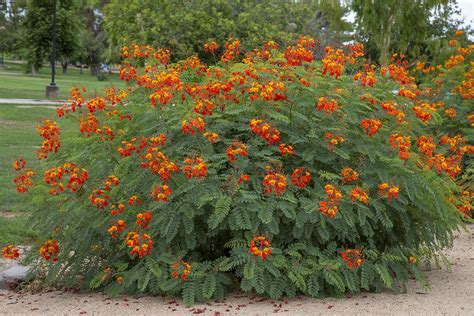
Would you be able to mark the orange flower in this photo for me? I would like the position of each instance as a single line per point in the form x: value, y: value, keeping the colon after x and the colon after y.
x: 211, y: 47
x: 134, y: 200
x: 55, y: 175
x: 274, y: 182
x: 391, y: 192
x: 161, y: 193
x: 329, y: 207
x: 450, y: 113
x: 19, y: 164
x: 349, y: 175
x: 286, y: 149
x: 143, y: 219
x: 212, y: 137
x: 333, y: 62
x: 426, y: 145
x: 183, y: 269
x: 237, y: 148
x: 353, y: 258
x: 333, y: 140
x: 264, y: 130
x: 195, y: 167
x: 300, y: 178
x: 50, y: 250
x: 204, y: 107
x: 243, y: 177
x: 402, y: 143
x: 232, y: 50
x: 117, y: 228
x: 141, y: 244
x: 193, y: 126
x: 370, y: 126
x: 422, y: 114
x: 327, y: 106
x: 50, y: 132
x: 10, y: 252
x: 260, y: 247
x: 358, y: 194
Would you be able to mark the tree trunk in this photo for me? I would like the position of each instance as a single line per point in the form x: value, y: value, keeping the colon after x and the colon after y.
x: 64, y: 65
x: 81, y: 70
x: 33, y: 70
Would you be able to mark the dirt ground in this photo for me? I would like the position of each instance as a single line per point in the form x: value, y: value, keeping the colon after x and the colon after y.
x: 451, y: 293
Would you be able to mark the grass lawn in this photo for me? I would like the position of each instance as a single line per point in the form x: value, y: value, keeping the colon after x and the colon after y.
x: 18, y: 138
x: 14, y: 83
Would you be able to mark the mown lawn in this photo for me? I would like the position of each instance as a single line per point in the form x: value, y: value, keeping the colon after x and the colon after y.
x: 14, y: 83
x: 18, y: 138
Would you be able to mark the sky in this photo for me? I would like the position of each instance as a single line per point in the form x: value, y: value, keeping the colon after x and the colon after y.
x: 467, y: 11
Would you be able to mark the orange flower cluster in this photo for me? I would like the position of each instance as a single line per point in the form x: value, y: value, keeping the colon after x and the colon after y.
x: 352, y: 257
x: 134, y: 200
x: 326, y: 105
x: 453, y: 61
x: 211, y: 47
x: 329, y: 207
x: 236, y: 148
x: 300, y: 178
x: 264, y: 130
x: 49, y: 130
x: 370, y: 126
x: 426, y: 146
x: 260, y: 247
x: 23, y: 179
x: 274, y: 182
x: 232, y: 50
x: 333, y: 140
x: 402, y: 143
x: 450, y: 113
x: 195, y: 167
x: 117, y: 228
x: 99, y: 198
x: 161, y: 193
x: 358, y: 194
x: 407, y: 93
x: 243, y: 177
x: 465, y: 207
x: 349, y: 175
x: 450, y: 165
x: 286, y: 149
x: 334, y: 62
x: 193, y: 126
x: 181, y: 270
x: 10, y: 252
x: 140, y: 243
x: 50, y: 250
x: 271, y: 91
x: 158, y: 163
x: 76, y: 100
x: 422, y: 114
x: 204, y: 107
x: 295, y: 55
x: 143, y: 219
x: 117, y: 209
x: 392, y: 110
x: 390, y: 191
x: 212, y: 137
x: 90, y: 125
x: 366, y: 78
x: 77, y: 177
x: 452, y: 142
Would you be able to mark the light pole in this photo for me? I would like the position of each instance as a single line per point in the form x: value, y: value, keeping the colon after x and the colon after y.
x: 52, y: 90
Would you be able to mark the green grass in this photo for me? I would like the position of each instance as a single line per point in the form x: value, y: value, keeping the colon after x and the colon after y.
x: 18, y: 138
x: 16, y: 84
x: 15, y: 231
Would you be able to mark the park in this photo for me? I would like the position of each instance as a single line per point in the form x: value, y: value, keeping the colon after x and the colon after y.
x: 236, y: 157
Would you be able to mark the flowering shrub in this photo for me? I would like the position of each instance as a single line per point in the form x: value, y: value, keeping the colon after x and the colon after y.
x: 279, y: 174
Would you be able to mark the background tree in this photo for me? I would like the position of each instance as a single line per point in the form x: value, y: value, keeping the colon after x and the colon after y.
x: 11, y: 14
x: 183, y: 26
x: 406, y: 21
x: 37, y: 32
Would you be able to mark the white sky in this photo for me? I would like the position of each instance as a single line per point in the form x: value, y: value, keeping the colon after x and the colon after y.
x: 467, y: 11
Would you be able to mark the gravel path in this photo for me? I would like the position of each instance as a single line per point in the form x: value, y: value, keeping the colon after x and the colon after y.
x: 452, y: 293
